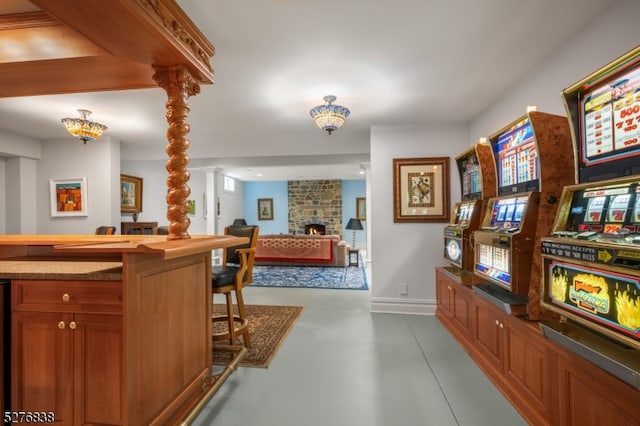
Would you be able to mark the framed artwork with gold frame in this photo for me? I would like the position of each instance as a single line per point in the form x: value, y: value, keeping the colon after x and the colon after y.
x: 130, y: 194
x: 421, y: 189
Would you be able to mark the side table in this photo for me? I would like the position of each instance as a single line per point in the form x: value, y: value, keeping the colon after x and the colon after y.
x: 353, y: 257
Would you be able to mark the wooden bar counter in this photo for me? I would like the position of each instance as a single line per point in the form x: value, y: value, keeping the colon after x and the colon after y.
x: 110, y: 329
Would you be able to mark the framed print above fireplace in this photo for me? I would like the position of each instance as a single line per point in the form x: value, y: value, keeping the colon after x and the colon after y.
x: 265, y: 208
x: 421, y: 189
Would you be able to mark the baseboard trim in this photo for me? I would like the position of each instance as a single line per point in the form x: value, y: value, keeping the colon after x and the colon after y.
x: 402, y: 306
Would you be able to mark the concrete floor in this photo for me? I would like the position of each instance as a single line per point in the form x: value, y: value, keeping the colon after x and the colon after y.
x: 344, y: 366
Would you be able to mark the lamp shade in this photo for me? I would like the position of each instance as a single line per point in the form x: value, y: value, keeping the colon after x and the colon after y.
x: 83, y: 128
x: 239, y: 222
x: 329, y: 117
x: 354, y: 225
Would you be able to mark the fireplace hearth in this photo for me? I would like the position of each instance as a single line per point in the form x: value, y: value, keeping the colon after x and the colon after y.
x: 315, y: 229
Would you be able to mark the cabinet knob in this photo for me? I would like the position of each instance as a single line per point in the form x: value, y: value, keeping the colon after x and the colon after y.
x: 65, y: 297
x: 501, y: 325
x: 72, y: 325
x: 61, y: 325
x: 497, y: 322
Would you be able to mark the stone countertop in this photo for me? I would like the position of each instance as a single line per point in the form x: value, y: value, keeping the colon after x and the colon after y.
x: 60, y: 270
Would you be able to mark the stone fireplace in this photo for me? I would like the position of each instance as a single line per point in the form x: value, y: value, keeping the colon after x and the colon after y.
x: 315, y: 202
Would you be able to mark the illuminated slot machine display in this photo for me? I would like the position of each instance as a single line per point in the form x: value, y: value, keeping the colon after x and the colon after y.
x: 506, y: 251
x: 478, y: 182
x: 591, y: 259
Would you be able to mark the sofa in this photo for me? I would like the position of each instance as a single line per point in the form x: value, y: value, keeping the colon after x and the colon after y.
x: 301, y: 250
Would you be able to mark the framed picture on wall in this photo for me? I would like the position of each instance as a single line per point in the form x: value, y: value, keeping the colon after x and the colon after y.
x: 421, y: 189
x: 265, y: 208
x: 130, y: 194
x: 361, y: 208
x: 68, y: 197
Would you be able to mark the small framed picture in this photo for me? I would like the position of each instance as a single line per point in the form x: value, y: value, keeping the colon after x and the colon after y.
x: 361, y: 208
x: 68, y: 197
x: 265, y: 208
x: 192, y: 207
x: 421, y: 189
x: 130, y: 194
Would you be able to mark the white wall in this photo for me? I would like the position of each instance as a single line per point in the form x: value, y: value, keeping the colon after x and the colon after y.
x: 605, y: 39
x: 407, y: 253
x: 18, y: 201
x: 3, y: 196
x: 99, y: 163
x: 154, y: 190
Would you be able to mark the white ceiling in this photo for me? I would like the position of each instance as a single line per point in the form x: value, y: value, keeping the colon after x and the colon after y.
x: 389, y: 62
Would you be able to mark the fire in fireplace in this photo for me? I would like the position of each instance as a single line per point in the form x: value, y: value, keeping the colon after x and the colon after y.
x: 315, y: 229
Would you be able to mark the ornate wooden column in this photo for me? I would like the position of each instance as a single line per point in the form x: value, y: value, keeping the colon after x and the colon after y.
x: 180, y: 85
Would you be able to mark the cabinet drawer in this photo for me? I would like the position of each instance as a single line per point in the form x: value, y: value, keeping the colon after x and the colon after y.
x: 66, y: 296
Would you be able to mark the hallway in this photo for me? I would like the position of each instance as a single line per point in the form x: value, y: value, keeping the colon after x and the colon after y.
x: 344, y: 366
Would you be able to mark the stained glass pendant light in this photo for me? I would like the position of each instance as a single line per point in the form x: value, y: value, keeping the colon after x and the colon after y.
x: 329, y: 117
x: 83, y: 128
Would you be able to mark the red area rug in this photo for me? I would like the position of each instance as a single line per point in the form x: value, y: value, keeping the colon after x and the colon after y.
x: 269, y: 326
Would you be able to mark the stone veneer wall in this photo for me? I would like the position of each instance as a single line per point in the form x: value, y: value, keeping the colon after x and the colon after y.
x: 315, y: 201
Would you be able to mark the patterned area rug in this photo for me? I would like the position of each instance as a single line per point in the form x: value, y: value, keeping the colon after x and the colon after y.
x: 348, y: 278
x: 268, y: 329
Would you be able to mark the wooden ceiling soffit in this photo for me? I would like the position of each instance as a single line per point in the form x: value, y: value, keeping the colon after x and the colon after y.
x: 153, y: 32
x: 83, y: 46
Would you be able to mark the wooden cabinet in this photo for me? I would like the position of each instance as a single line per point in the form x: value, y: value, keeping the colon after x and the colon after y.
x: 67, y: 351
x: 139, y: 228
x: 547, y: 384
x: 514, y: 354
x: 588, y: 395
x: 453, y: 296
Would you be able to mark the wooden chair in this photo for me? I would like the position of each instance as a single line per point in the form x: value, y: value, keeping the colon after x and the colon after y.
x: 235, y: 272
x: 105, y: 230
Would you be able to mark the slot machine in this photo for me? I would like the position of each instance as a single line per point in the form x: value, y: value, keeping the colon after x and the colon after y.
x: 477, y: 179
x: 591, y: 258
x: 529, y: 182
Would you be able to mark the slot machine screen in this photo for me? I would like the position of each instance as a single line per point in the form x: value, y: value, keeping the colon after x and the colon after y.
x: 464, y: 213
x: 606, y: 113
x: 471, y: 178
x: 508, y: 212
x: 605, y: 209
x: 516, y: 154
x: 494, y: 263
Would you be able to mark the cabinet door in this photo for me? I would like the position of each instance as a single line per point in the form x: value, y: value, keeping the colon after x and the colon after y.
x: 99, y: 369
x: 527, y: 369
x: 443, y: 292
x: 461, y: 306
x: 488, y: 333
x: 589, y: 396
x: 42, y: 364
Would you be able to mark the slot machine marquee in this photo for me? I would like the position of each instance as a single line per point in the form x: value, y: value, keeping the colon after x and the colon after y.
x: 529, y: 182
x: 477, y: 178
